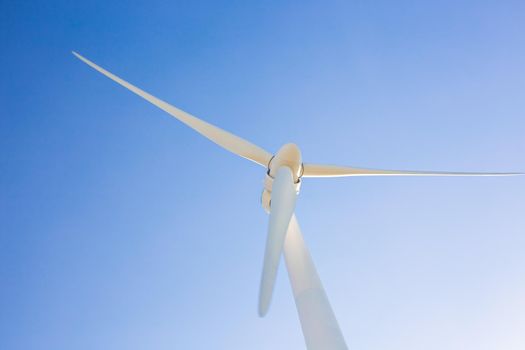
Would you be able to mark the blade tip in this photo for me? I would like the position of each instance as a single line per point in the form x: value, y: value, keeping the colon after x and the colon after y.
x: 76, y: 54
x: 79, y: 56
x: 264, y: 306
x: 262, y: 312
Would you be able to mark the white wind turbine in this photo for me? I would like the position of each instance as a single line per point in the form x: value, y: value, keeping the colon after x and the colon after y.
x: 284, y: 172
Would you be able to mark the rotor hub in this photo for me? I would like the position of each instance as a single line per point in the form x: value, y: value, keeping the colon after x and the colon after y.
x: 289, y: 156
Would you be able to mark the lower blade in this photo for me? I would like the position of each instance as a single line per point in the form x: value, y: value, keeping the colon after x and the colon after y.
x: 282, y: 208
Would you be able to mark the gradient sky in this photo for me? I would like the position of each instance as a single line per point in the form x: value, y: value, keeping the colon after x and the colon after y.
x: 120, y: 228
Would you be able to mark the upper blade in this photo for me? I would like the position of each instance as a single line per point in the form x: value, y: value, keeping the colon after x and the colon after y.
x: 319, y: 170
x: 282, y: 207
x: 223, y: 138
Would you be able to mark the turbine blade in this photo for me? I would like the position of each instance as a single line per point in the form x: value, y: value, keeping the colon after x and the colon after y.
x: 320, y: 328
x: 282, y: 207
x: 318, y: 170
x: 223, y: 138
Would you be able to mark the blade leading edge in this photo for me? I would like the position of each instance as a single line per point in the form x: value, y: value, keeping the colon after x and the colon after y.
x: 282, y: 208
x: 320, y: 328
x: 223, y: 138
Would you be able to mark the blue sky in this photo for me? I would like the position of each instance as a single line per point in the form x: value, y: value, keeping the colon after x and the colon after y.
x: 122, y: 229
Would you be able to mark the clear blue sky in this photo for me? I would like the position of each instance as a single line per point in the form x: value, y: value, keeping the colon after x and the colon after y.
x: 122, y: 229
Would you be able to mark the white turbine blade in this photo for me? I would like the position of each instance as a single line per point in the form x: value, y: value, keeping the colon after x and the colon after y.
x: 320, y: 328
x: 282, y: 207
x: 318, y: 170
x: 221, y: 137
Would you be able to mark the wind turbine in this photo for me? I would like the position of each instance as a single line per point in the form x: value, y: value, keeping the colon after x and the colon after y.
x: 284, y: 173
